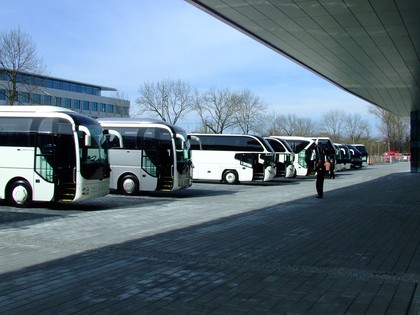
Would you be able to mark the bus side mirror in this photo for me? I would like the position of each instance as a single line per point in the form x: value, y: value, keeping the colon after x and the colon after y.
x: 85, y: 133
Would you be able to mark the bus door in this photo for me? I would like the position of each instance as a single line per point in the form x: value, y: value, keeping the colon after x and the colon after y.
x: 55, y: 164
x: 152, y: 157
x: 65, y: 164
x: 167, y: 158
x: 312, y: 155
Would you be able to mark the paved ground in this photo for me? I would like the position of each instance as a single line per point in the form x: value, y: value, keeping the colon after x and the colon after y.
x: 221, y: 249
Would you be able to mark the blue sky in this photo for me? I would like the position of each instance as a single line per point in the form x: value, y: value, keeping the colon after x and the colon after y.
x: 126, y: 43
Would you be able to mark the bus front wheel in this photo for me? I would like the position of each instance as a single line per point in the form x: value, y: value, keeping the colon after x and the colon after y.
x: 129, y: 185
x: 20, y: 194
x: 230, y: 177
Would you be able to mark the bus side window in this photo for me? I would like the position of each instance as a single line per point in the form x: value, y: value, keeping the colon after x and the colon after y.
x: 113, y: 141
x: 194, y: 144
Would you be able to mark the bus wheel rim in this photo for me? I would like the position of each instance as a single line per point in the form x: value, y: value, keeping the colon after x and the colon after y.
x: 20, y: 194
x: 129, y: 185
x: 230, y: 177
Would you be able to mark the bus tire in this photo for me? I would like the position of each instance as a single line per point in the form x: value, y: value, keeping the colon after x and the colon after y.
x: 129, y: 185
x: 19, y: 194
x: 230, y: 177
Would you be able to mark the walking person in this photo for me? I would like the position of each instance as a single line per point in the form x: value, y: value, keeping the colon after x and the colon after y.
x: 320, y: 176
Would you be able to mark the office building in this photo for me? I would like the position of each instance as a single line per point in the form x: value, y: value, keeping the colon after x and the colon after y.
x: 84, y: 98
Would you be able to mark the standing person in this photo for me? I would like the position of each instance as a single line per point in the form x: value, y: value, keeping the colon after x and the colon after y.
x: 332, y: 175
x: 320, y: 175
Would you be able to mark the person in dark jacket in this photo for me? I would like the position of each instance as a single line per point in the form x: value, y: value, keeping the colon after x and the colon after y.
x: 320, y: 176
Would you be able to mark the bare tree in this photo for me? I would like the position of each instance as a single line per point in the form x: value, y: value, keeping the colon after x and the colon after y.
x: 356, y: 127
x: 18, y: 56
x: 216, y: 109
x: 249, y: 110
x: 333, y: 124
x: 267, y: 125
x: 292, y: 125
x: 395, y: 130
x: 170, y: 100
x: 305, y: 127
x: 119, y: 101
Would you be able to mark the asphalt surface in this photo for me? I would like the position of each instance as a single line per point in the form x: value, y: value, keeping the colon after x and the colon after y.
x: 264, y: 248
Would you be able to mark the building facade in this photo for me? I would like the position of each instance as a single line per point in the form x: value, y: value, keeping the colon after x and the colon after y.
x: 81, y: 97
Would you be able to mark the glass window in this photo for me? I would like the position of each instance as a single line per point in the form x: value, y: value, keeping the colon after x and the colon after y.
x: 24, y: 97
x: 36, y: 98
x: 276, y: 145
x: 102, y: 107
x: 110, y: 108
x: 46, y: 99
x: 58, y: 101
x: 85, y: 105
x: 57, y: 84
x: 76, y: 104
x: 94, y: 106
x: 67, y: 102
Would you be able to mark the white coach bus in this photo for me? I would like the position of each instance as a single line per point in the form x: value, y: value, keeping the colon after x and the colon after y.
x: 50, y: 154
x: 306, y: 154
x: 147, y: 155
x: 232, y: 158
x: 285, y: 157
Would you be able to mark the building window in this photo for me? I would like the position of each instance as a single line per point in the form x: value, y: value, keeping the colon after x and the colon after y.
x: 94, y: 106
x: 76, y: 104
x: 85, y: 105
x: 35, y: 98
x: 110, y: 108
x: 67, y: 102
x: 58, y: 101
x: 46, y: 99
x: 102, y: 108
x: 24, y: 97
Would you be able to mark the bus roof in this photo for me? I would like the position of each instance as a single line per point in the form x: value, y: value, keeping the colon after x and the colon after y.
x: 125, y: 121
x: 33, y: 109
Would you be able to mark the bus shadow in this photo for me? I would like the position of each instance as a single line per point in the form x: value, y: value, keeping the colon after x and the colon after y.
x: 189, y: 193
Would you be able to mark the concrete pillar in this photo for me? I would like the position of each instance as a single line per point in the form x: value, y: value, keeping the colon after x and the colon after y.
x: 415, y: 141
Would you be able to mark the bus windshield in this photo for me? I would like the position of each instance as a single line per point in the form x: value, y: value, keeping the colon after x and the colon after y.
x: 94, y: 156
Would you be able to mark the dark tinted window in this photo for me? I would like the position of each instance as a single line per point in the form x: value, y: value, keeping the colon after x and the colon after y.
x: 228, y: 143
x: 276, y: 145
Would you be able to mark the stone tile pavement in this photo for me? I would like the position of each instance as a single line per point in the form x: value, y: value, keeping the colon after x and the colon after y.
x: 221, y: 249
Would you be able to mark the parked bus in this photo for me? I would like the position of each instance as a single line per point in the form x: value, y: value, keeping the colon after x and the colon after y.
x: 284, y: 157
x: 365, y: 154
x: 344, y: 158
x: 232, y: 158
x: 339, y: 158
x: 147, y: 155
x: 51, y: 154
x: 306, y: 154
x: 326, y: 148
x: 356, y: 157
